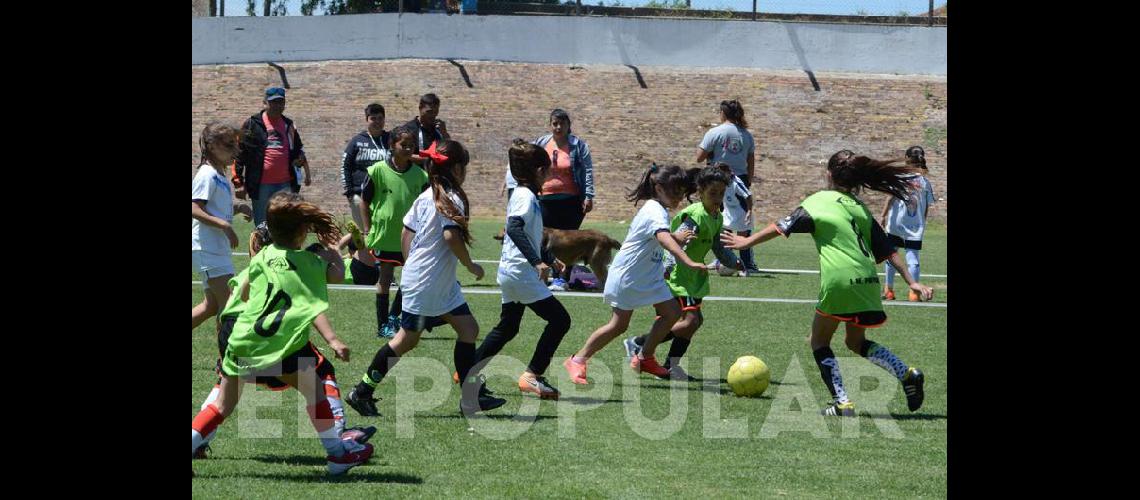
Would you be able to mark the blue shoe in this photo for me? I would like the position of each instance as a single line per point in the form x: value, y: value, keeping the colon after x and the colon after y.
x: 558, y: 285
x: 390, y: 328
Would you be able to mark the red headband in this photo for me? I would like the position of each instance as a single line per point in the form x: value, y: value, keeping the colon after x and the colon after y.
x: 436, y: 157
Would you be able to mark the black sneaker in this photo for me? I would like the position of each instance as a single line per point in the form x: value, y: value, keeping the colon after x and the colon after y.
x: 365, y: 406
x: 484, y: 392
x: 912, y: 385
x: 484, y: 403
x: 359, y: 434
x: 200, y: 453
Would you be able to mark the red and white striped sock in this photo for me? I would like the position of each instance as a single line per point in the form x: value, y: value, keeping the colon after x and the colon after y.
x: 204, y: 424
x: 322, y: 418
x: 332, y: 395
x: 210, y: 400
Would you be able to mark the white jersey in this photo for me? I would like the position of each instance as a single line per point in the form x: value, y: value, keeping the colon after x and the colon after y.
x: 907, y: 218
x: 516, y: 276
x: 737, y: 217
x: 428, y: 281
x: 210, y: 186
x: 637, y: 274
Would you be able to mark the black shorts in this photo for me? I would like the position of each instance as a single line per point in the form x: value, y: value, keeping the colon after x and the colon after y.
x: 415, y: 322
x: 307, y: 355
x: 907, y: 244
x: 394, y: 258
x: 363, y: 274
x: 689, y: 304
x: 865, y: 319
x: 225, y: 328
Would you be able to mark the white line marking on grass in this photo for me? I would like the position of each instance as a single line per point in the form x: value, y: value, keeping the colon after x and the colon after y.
x: 774, y: 271
x: 496, y: 291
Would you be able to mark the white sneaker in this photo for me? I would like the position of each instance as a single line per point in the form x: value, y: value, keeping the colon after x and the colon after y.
x: 631, y: 349
x: 678, y: 373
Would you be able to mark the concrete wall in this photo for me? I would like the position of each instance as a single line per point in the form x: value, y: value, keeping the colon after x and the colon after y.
x: 881, y: 49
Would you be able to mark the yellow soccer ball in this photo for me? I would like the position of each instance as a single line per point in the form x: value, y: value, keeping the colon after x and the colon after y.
x: 748, y: 376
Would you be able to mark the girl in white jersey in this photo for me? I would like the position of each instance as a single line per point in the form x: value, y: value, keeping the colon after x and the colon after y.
x: 637, y: 274
x: 435, y: 236
x: 522, y: 267
x: 905, y: 221
x: 211, y: 213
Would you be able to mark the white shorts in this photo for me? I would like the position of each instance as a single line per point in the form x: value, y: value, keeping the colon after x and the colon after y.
x: 211, y: 265
x: 629, y: 298
x: 526, y: 290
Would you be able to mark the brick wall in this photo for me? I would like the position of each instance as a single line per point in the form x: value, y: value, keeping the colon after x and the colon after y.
x: 625, y: 125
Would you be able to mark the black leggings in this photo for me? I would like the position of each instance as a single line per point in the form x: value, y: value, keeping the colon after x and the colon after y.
x: 557, y: 324
x: 563, y: 214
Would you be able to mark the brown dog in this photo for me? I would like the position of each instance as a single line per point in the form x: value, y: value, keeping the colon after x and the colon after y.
x: 590, y: 247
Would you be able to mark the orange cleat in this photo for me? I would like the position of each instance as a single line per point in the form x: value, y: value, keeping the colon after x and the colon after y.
x: 648, y: 365
x: 890, y: 295
x: 577, y: 371
x: 913, y: 297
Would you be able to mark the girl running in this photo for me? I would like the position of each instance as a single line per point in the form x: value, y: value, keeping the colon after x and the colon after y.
x: 689, y: 286
x: 522, y: 267
x: 286, y: 292
x: 227, y: 318
x: 904, y: 220
x: 435, y: 235
x: 636, y: 277
x: 850, y: 243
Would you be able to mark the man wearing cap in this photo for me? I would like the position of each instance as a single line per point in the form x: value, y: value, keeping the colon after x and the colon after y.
x: 270, y: 149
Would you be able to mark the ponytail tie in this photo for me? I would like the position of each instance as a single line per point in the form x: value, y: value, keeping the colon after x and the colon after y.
x: 653, y: 168
x: 435, y: 156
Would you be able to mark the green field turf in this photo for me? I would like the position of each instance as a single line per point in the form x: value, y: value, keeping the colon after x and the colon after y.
x: 614, y: 439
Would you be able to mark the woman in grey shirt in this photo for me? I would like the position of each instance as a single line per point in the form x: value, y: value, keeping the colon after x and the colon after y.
x: 731, y: 143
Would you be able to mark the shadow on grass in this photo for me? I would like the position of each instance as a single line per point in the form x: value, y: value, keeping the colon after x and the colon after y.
x: 353, y: 476
x: 588, y: 400
x: 520, y: 418
x: 908, y: 416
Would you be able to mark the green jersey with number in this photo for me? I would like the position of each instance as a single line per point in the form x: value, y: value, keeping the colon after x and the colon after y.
x: 287, y: 290
x: 849, y: 282
x: 392, y: 196
x: 685, y: 281
x: 235, y: 305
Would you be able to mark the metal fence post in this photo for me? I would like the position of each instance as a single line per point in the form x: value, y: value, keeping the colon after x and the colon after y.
x: 754, y: 9
x: 930, y: 13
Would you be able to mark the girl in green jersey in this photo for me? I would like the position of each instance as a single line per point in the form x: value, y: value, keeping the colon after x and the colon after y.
x: 259, y: 239
x: 286, y: 293
x: 850, y: 243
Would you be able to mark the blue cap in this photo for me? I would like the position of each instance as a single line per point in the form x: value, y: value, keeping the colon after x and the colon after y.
x: 274, y: 93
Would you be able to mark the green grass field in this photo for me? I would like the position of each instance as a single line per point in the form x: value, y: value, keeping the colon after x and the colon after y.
x: 619, y: 439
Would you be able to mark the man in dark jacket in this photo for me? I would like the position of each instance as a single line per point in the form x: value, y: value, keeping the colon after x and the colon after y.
x: 270, y: 149
x: 429, y: 128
